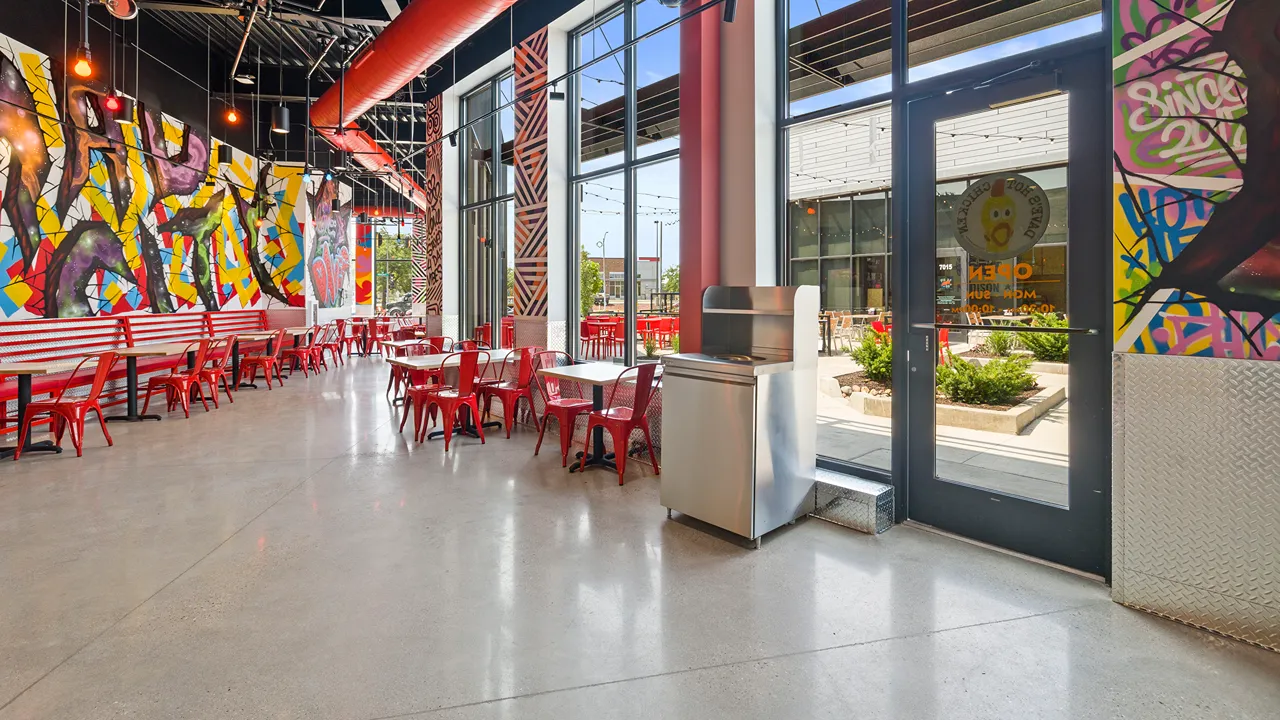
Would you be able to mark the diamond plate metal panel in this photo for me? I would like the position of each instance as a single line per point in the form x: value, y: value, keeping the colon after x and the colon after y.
x: 855, y: 503
x: 1197, y: 494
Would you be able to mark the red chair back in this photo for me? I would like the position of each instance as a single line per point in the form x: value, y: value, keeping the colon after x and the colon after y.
x: 202, y: 356
x: 644, y: 387
x: 468, y: 365
x: 105, y: 361
x: 879, y: 327
x: 220, y: 354
x: 277, y: 347
x: 441, y: 343
x: 547, y: 386
x: 525, y: 375
x: 341, y: 325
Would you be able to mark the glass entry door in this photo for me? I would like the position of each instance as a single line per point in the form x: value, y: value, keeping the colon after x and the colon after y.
x: 1008, y: 395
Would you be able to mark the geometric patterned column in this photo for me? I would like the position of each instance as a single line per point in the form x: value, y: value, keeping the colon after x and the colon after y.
x: 531, y: 192
x: 426, y: 248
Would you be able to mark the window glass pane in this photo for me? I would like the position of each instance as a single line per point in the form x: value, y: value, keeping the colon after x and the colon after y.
x: 835, y: 221
x: 477, y: 244
x: 601, y: 282
x: 870, y: 224
x: 658, y: 242
x: 838, y: 51
x: 478, y: 146
x: 805, y: 272
x: 601, y: 105
x: 391, y: 274
x: 507, y: 136
x: 837, y: 282
x: 869, y: 284
x: 657, y: 81
x: 947, y: 35
x: 843, y: 155
x: 804, y: 229
x: 508, y: 266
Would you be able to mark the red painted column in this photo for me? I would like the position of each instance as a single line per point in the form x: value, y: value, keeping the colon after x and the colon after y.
x: 699, y: 170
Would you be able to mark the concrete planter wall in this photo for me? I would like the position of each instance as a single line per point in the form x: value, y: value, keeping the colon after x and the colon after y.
x: 1009, y: 422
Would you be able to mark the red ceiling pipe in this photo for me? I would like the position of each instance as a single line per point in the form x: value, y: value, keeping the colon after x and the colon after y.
x: 420, y: 35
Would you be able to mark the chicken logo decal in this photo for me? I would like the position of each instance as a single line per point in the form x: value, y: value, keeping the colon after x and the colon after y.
x: 999, y: 215
x: 1012, y: 215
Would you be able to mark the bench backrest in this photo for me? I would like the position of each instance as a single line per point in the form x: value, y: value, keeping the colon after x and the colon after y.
x: 59, y: 339
x: 31, y: 340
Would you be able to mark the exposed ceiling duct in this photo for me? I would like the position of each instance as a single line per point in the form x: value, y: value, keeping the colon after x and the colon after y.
x: 422, y: 34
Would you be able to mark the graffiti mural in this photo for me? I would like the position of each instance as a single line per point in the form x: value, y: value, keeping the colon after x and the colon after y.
x: 1197, y: 225
x: 364, y: 263
x: 104, y: 213
x: 329, y: 260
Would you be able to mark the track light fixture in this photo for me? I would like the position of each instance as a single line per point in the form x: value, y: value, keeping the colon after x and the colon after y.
x: 555, y: 94
x: 245, y: 78
x: 224, y: 154
x: 730, y: 10
x: 280, y: 119
x: 453, y: 139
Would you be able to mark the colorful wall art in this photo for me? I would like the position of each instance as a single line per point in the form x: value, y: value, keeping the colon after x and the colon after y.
x: 329, y: 255
x: 104, y: 213
x: 1197, y: 222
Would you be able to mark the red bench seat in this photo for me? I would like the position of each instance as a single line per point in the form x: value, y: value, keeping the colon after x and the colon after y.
x: 73, y: 338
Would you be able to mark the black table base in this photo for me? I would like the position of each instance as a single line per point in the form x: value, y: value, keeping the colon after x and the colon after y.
x: 466, y: 428
x: 599, y: 458
x: 131, y: 413
x: 24, y: 438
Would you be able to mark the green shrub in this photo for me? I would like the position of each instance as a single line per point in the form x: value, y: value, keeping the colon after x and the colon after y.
x: 675, y: 343
x: 1047, y: 347
x: 1000, y: 343
x: 875, y: 355
x: 650, y: 347
x: 995, y: 382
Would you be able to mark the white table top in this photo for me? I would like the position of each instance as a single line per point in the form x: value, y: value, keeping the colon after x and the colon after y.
x: 257, y: 335
x: 592, y: 373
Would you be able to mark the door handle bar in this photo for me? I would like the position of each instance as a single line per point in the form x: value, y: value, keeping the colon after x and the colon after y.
x: 1010, y: 328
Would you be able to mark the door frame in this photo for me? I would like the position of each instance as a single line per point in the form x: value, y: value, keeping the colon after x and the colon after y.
x: 1079, y: 537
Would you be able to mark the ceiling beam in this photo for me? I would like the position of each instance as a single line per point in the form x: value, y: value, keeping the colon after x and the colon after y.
x: 393, y: 8
x: 214, y: 10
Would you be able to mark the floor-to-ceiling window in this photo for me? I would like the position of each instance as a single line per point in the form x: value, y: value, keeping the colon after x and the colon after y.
x: 487, y: 149
x: 393, y: 268
x: 625, y: 166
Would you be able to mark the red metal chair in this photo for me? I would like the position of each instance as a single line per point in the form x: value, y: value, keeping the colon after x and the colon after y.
x: 268, y: 360
x: 74, y: 411
x: 216, y: 373
x: 564, y: 410
x: 449, y: 399
x: 445, y: 344
x: 335, y: 341
x: 622, y: 421
x: 467, y: 345
x: 944, y: 345
x: 181, y: 381
x: 318, y: 340
x: 664, y: 331
x: 303, y: 354
x: 510, y: 393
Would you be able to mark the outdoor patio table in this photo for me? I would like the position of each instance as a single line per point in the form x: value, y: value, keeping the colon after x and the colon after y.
x: 598, y: 375
x: 131, y: 355
x: 24, y: 371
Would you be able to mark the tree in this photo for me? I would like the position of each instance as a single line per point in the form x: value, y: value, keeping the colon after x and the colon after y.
x: 394, y: 268
x: 671, y: 279
x: 511, y: 288
x: 591, y: 282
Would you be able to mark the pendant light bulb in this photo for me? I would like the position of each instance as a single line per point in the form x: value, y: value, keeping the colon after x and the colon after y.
x: 233, y: 117
x: 82, y: 66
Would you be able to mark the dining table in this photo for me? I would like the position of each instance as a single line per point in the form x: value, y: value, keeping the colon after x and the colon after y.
x: 443, y: 361
x: 24, y: 372
x: 267, y: 336
x: 131, y: 355
x: 598, y: 375
x: 1007, y: 318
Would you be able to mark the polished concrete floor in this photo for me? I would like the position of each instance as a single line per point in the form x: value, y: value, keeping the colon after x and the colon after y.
x: 291, y: 556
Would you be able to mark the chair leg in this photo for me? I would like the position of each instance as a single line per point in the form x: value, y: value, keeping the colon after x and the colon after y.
x: 227, y: 387
x: 146, y: 401
x: 566, y: 439
x: 648, y: 441
x: 620, y: 437
x: 185, y: 399
x: 542, y: 428
x: 448, y: 416
x: 203, y: 401
x: 102, y: 422
x: 408, y: 400
x: 507, y: 415
x: 77, y: 436
x: 475, y: 415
